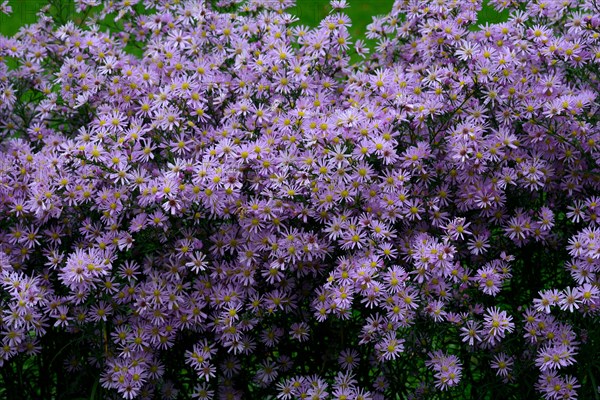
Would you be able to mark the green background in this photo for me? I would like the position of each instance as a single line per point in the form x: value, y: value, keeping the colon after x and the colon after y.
x: 310, y: 13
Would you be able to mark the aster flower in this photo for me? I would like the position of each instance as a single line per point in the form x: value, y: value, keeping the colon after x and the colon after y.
x: 569, y: 300
x: 548, y: 299
x: 554, y: 357
x: 5, y: 8
x: 489, y: 280
x: 348, y: 359
x: 502, y: 364
x: 389, y: 347
x: 202, y: 392
x: 457, y: 228
x: 588, y: 293
x: 299, y: 331
x: 471, y: 332
x: 496, y: 324
x: 267, y: 372
x: 447, y: 368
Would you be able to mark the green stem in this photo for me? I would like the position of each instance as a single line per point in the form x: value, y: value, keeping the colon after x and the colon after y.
x: 20, y: 374
x: 594, y: 384
x: 8, y: 383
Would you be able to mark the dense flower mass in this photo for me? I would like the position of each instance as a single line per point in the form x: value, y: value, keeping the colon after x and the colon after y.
x: 245, y: 207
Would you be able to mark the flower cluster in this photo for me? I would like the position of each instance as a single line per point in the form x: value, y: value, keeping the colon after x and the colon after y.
x: 240, y: 210
x: 447, y: 369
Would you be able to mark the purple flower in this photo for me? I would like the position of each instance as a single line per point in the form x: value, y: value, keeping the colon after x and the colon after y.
x: 497, y: 324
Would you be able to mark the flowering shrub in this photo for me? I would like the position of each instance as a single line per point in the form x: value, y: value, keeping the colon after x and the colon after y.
x: 242, y: 212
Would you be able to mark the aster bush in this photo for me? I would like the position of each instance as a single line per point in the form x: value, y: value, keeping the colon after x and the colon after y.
x: 204, y: 199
